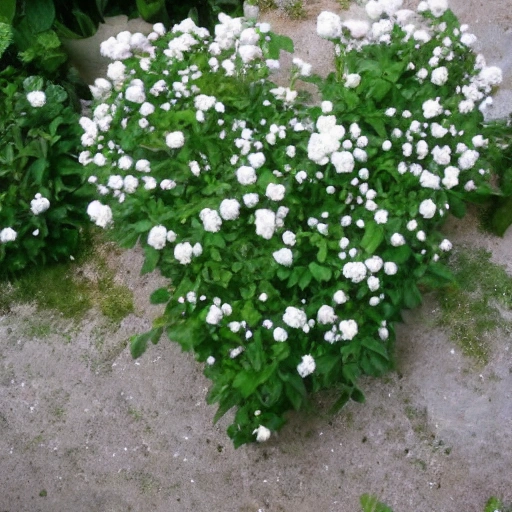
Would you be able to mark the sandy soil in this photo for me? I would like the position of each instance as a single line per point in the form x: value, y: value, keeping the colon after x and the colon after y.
x: 84, y: 428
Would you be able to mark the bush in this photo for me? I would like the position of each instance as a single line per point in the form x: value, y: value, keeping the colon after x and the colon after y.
x: 292, y: 235
x: 42, y: 199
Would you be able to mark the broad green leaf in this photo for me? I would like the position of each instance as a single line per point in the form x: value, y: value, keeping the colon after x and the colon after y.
x: 39, y: 14
x: 247, y: 380
x: 151, y: 260
x: 412, y: 296
x: 320, y: 273
x: 160, y: 296
x: 373, y: 237
x: 305, y: 279
x: 138, y: 343
x: 341, y: 401
x: 322, y: 251
x: 8, y: 9
x: 278, y: 43
x: 372, y: 504
x: 255, y: 354
x: 375, y: 346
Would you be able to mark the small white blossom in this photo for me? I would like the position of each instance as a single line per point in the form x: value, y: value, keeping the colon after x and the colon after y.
x: 307, y: 366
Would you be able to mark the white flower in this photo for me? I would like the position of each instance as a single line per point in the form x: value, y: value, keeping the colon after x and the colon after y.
x: 135, y: 93
x: 143, y: 166
x: 100, y: 214
x: 390, y: 268
x: 157, y: 237
x: 175, y: 140
x: 256, y: 160
x: 386, y: 145
x: 197, y: 250
x: 39, y: 205
x: 146, y: 109
x: 249, y: 53
x: 211, y: 220
x: 7, y: 235
x: 468, y: 39
x: 397, y: 240
x: 357, y: 28
x: 294, y: 317
x: 251, y: 200
x: 125, y: 162
x: 427, y: 208
x: 36, y: 98
x: 340, y: 297
x: 432, y: 108
x: 167, y: 184
x: 149, y: 182
x: 203, y: 102
x: 374, y: 9
x: 437, y: 130
x: 374, y: 264
x: 352, y: 80
x: 439, y: 76
x: 328, y: 25
x: 348, y: 329
x: 246, y: 175
x: 171, y: 236
x: 265, y: 223
x: 346, y: 220
x: 289, y: 238
x: 327, y: 106
x: 214, y: 315
x: 183, y: 253
x: 263, y: 297
x: 381, y: 216
x: 229, y: 209
x: 451, y: 177
x: 304, y: 67
x: 412, y: 225
x: 343, y: 161
x: 490, y: 76
x: 283, y: 256
x: 307, y: 366
x: 466, y: 106
x: 301, y: 176
x: 421, y: 236
x: 236, y: 351
x: 326, y: 315
x: 445, y: 245
x: 210, y: 360
x: 437, y: 7
x: 280, y: 334
x: 468, y: 159
x: 262, y: 434
x: 373, y: 283
x: 275, y: 192
x: 383, y: 333
x: 429, y: 180
x: 355, y: 271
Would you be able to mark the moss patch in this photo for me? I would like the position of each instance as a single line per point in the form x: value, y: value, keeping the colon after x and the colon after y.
x: 71, y: 290
x: 470, y: 308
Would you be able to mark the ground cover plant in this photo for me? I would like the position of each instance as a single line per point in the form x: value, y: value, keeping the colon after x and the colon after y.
x: 42, y: 197
x: 292, y: 235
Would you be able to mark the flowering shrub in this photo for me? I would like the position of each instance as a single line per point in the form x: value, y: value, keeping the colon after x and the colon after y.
x: 42, y: 201
x: 292, y: 235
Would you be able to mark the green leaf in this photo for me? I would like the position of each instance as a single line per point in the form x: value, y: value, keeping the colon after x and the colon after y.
x: 412, y: 296
x: 372, y: 504
x: 375, y: 346
x: 8, y: 9
x: 305, y: 279
x: 138, y: 343
x: 150, y: 9
x: 341, y: 402
x: 160, y: 296
x: 255, y: 354
x: 33, y: 83
x: 151, y: 260
x: 373, y: 237
x: 39, y: 14
x: 502, y: 216
x: 278, y: 43
x: 322, y: 251
x: 226, y: 403
x: 320, y: 273
x: 247, y: 381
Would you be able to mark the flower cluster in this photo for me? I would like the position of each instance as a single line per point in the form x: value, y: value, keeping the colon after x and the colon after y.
x: 293, y: 235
